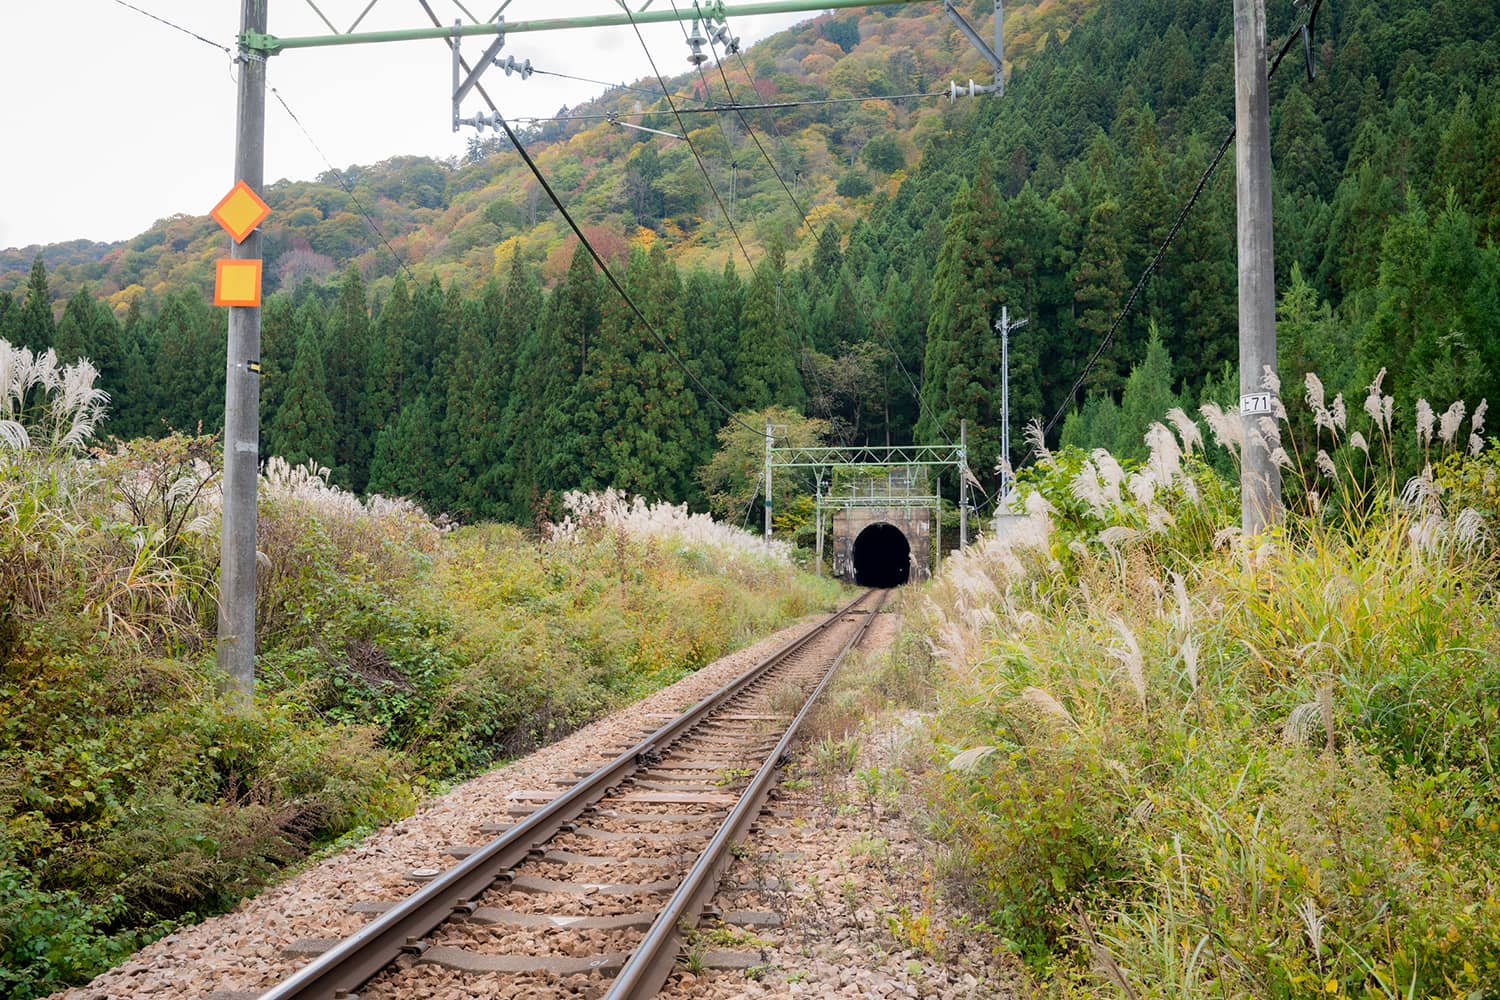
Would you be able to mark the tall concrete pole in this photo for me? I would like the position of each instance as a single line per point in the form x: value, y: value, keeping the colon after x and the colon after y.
x: 819, y: 510
x: 963, y: 483
x: 236, y: 641
x: 937, y: 552
x: 1004, y: 327
x: 770, y: 440
x: 1260, y: 479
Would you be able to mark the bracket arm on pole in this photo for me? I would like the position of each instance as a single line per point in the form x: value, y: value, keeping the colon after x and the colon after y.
x: 951, y: 9
x: 483, y: 64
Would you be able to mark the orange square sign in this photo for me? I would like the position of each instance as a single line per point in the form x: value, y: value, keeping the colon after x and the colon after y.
x: 240, y: 211
x: 237, y: 283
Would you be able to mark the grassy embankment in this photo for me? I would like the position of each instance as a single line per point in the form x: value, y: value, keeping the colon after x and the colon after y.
x: 394, y: 656
x: 1179, y: 764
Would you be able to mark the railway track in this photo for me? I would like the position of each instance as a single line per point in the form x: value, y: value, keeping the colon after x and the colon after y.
x: 588, y: 891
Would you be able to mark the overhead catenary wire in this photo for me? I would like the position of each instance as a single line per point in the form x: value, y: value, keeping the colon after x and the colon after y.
x: 1301, y: 31
x: 713, y: 189
x: 922, y: 405
x: 729, y: 92
x: 599, y: 262
x: 344, y: 183
x: 614, y: 282
x: 723, y: 108
x: 177, y: 27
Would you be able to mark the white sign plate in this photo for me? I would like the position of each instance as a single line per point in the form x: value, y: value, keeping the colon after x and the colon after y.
x: 1255, y: 403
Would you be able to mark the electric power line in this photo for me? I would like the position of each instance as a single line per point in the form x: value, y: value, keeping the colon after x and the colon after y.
x: 890, y: 345
x: 599, y: 83
x: 722, y: 108
x: 613, y: 281
x: 344, y: 183
x: 1303, y: 32
x: 688, y: 139
x: 177, y: 27
x: 609, y: 276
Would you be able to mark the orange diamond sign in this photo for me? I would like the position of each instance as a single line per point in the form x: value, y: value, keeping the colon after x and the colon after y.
x: 240, y: 211
x: 237, y: 283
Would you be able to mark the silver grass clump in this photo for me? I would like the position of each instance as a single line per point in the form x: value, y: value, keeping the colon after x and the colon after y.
x: 1128, y: 653
x: 1357, y: 440
x: 1449, y: 423
x: 1228, y: 430
x: 1036, y: 438
x: 1471, y: 531
x: 1312, y: 926
x: 1281, y: 458
x: 1302, y: 724
x: 1037, y: 506
x: 1039, y: 701
x: 969, y: 760
x: 1476, y: 422
x: 1187, y: 430
x: 1165, y: 456
x: 71, y: 414
x: 1269, y: 380
x: 1142, y: 488
x: 1111, y: 475
x: 77, y: 405
x: 1325, y: 464
x: 1225, y: 535
x: 1338, y: 412
x: 1425, y: 422
x: 1158, y: 520
x: 1117, y: 535
x: 1184, y: 616
x: 1476, y: 444
x: 13, y: 435
x: 1088, y: 489
x: 1429, y: 533
x: 1314, y: 391
x: 1378, y: 406
x: 1190, y: 660
x: 1420, y: 490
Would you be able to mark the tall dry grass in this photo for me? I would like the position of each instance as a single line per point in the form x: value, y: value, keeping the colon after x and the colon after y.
x: 1189, y: 764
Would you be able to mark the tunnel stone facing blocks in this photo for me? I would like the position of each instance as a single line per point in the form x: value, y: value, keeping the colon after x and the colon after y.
x: 914, y: 523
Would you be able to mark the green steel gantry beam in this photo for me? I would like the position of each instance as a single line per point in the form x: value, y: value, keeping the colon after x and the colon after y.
x: 823, y: 457
x: 270, y: 45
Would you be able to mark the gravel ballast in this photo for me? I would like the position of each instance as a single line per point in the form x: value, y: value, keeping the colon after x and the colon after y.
x: 839, y: 872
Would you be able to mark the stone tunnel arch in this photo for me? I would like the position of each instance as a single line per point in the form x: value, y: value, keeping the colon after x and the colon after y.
x: 881, y: 556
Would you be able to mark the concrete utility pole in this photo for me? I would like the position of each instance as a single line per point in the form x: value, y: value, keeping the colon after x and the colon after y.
x: 236, y: 641
x: 1004, y: 327
x: 770, y: 440
x: 1260, y: 479
x: 818, y: 506
x: 963, y: 484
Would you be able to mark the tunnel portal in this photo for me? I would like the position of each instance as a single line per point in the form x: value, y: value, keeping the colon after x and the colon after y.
x: 882, y: 556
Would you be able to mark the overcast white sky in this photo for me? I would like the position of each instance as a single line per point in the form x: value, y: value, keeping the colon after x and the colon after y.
x: 110, y: 120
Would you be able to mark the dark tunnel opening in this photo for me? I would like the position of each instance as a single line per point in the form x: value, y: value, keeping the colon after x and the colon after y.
x: 882, y: 557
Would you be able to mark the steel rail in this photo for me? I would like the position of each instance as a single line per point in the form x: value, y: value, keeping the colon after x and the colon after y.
x: 653, y: 960
x: 355, y: 960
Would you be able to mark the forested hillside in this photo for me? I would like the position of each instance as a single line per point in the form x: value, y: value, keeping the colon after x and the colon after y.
x: 499, y: 367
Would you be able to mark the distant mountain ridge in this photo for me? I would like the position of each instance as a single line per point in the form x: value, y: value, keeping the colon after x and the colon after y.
x: 463, y: 218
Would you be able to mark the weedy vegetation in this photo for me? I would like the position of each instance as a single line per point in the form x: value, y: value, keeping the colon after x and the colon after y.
x: 394, y: 654
x: 1184, y: 764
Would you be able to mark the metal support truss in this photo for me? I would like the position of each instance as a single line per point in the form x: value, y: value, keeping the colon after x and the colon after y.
x: 825, y: 460
x: 712, y: 16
